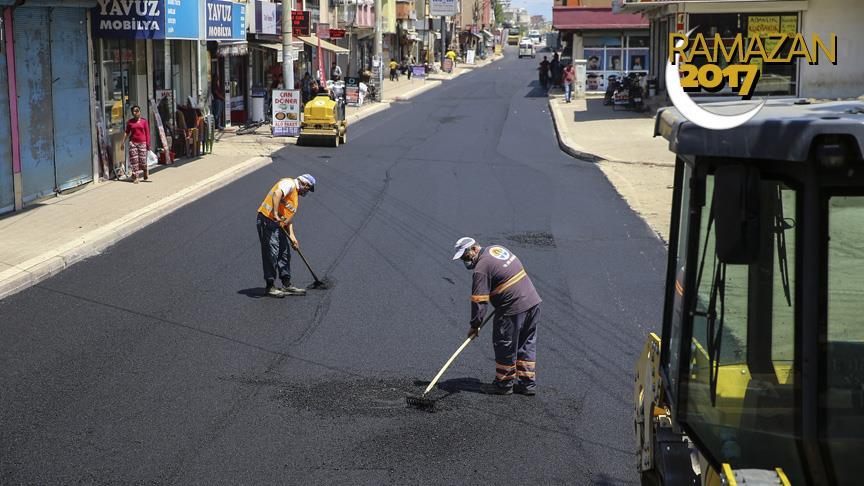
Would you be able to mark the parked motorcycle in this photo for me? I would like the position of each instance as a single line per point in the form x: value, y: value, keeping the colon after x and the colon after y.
x: 627, y: 93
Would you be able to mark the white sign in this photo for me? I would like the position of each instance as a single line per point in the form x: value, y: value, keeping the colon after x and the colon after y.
x: 444, y: 8
x: 286, y: 112
x: 323, y: 31
x: 469, y: 57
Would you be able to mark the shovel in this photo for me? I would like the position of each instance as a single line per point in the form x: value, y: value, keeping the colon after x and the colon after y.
x: 317, y: 284
x: 424, y: 403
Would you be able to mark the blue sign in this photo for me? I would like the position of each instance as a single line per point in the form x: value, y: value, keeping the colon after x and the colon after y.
x: 143, y: 19
x: 225, y: 20
x: 146, y: 19
x: 181, y: 19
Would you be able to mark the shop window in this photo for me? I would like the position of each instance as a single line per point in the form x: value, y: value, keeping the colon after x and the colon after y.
x: 612, y: 57
x: 775, y: 79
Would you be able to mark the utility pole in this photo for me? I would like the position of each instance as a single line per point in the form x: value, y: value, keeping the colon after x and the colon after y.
x: 443, y: 40
x: 287, y: 57
x: 379, y: 52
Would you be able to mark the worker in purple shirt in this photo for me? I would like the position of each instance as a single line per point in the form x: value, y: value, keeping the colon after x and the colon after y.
x: 500, y: 279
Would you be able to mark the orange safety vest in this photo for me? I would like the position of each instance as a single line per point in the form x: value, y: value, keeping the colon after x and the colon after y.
x: 287, y: 205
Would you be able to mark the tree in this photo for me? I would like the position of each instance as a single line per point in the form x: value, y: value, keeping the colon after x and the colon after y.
x: 499, y: 11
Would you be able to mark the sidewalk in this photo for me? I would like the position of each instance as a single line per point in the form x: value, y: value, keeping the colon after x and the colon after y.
x: 49, y: 236
x: 639, y: 166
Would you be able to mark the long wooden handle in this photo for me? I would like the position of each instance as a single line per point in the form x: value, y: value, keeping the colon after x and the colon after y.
x: 452, y: 358
x: 303, y: 257
x: 446, y: 365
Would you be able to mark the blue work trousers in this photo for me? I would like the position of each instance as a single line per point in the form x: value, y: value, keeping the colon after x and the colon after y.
x: 515, y: 341
x: 275, y: 251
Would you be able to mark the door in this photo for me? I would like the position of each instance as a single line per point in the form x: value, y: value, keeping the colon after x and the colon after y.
x: 35, y: 104
x: 7, y: 191
x: 71, y: 98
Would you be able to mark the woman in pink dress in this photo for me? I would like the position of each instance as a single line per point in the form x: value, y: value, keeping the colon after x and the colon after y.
x: 138, y: 133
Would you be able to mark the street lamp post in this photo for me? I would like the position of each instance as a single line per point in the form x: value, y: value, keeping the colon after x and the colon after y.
x: 379, y: 52
x: 287, y: 57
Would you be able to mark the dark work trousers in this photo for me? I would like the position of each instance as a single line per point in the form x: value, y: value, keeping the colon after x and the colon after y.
x: 515, y: 341
x: 275, y: 251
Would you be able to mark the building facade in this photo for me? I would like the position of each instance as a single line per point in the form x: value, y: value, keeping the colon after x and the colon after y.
x: 799, y: 79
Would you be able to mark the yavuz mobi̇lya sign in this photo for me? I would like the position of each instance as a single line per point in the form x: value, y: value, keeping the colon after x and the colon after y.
x: 146, y: 19
x: 225, y: 20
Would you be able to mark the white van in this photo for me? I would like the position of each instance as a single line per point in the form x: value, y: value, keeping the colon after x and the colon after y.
x: 526, y: 49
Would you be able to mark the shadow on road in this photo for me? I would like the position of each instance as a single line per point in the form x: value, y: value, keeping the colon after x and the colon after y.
x: 537, y: 91
x: 458, y: 385
x: 254, y: 292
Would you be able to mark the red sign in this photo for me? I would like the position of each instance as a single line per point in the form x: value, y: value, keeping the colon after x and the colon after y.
x: 337, y: 33
x: 300, y: 22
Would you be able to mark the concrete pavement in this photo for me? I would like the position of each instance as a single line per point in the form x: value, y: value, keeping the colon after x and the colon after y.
x: 49, y: 236
x: 622, y: 143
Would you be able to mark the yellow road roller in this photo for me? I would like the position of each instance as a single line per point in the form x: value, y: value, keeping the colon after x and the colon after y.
x: 324, y: 121
x: 757, y: 376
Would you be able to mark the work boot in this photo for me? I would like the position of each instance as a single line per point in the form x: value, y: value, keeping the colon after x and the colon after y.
x: 289, y: 289
x: 493, y: 389
x: 522, y: 389
x: 274, y: 291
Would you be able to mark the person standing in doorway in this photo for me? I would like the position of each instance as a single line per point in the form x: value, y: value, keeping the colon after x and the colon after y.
x: 138, y: 135
x: 569, y: 80
x: 335, y: 72
x: 218, y: 103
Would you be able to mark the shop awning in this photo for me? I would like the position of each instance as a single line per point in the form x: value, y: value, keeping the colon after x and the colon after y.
x: 594, y: 18
x: 313, y: 41
x: 297, y: 46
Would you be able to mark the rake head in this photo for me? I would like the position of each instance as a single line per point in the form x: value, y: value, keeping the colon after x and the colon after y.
x: 421, y: 403
x: 323, y: 284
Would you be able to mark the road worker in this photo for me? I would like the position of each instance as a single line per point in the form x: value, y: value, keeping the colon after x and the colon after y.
x: 500, y: 279
x: 276, y: 231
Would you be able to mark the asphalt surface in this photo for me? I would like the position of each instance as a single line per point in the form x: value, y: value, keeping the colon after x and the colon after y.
x: 160, y: 362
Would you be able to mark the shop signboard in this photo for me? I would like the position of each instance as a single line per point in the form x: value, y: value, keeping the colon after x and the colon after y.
x: 300, y: 22
x: 146, y: 19
x: 447, y: 65
x: 337, y: 33
x: 286, y: 113
x: 444, y: 8
x: 469, y: 56
x: 418, y: 72
x: 224, y: 20
x: 323, y: 31
x: 264, y: 19
x: 352, y: 95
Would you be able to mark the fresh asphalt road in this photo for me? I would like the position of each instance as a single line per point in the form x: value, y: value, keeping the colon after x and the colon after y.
x: 159, y: 361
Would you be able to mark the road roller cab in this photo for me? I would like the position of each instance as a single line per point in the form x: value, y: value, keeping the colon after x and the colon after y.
x: 758, y: 374
x: 324, y: 120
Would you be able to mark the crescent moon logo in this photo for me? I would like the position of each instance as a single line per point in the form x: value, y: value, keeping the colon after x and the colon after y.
x: 695, y: 113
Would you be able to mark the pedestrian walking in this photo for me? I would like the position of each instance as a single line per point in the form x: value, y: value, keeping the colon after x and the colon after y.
x: 138, y: 135
x: 394, y: 69
x: 500, y: 279
x: 543, y: 70
x: 569, y: 80
x: 276, y: 232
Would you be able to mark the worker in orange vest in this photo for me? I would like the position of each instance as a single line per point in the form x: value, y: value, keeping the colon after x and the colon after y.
x: 276, y: 230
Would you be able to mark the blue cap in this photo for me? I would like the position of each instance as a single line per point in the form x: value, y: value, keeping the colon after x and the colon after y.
x: 308, y: 179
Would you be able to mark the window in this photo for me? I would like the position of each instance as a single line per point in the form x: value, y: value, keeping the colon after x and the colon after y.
x: 739, y: 383
x: 843, y: 392
x: 680, y: 266
x: 613, y: 56
x: 775, y: 79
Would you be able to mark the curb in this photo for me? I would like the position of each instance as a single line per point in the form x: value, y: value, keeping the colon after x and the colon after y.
x: 50, y: 263
x: 565, y: 147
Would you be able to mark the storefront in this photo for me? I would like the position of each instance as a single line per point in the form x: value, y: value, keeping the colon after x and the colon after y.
x: 730, y: 19
x: 614, y: 45
x: 145, y: 57
x: 45, y: 108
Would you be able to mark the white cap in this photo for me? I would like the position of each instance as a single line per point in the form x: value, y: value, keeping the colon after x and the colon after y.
x: 463, y: 244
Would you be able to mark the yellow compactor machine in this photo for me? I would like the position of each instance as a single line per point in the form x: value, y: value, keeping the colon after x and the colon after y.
x: 324, y: 121
x: 757, y: 377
